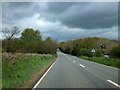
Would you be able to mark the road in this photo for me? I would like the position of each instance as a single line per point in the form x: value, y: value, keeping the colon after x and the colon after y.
x: 72, y: 72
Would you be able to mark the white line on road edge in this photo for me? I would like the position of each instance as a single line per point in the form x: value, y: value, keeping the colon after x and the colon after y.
x: 82, y: 65
x: 113, y: 83
x: 44, y: 75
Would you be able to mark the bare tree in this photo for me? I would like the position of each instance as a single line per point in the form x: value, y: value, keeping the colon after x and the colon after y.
x: 9, y: 34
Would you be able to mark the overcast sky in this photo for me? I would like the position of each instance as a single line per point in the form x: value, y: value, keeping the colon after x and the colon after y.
x: 63, y: 20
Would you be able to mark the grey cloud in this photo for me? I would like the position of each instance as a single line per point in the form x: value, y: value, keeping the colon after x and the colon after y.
x: 17, y: 10
x: 57, y: 8
x: 95, y: 15
x: 23, y: 4
x: 65, y: 35
x: 82, y: 15
x: 85, y: 16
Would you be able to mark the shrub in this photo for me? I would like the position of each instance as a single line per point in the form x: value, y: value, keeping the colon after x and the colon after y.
x: 115, y: 52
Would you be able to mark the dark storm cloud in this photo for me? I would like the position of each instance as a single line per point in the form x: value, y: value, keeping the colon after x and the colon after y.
x: 87, y: 15
x: 62, y: 7
x: 58, y: 8
x: 80, y: 15
x: 13, y: 11
x: 20, y: 4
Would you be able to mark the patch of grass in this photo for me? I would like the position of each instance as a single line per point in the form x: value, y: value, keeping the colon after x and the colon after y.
x: 0, y: 49
x: 114, y: 62
x: 21, y: 70
x: 0, y: 84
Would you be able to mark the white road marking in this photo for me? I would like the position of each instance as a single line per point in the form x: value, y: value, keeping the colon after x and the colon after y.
x: 74, y: 61
x: 70, y: 58
x: 67, y: 56
x: 113, y: 83
x: 44, y: 75
x: 82, y: 65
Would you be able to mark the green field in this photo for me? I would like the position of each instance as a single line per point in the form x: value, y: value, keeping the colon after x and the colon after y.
x: 18, y: 72
x: 114, y: 62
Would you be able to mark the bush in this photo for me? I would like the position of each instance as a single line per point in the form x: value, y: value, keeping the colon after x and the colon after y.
x: 98, y: 53
x: 13, y: 45
x: 30, y: 42
x: 47, y: 47
x: 115, y: 52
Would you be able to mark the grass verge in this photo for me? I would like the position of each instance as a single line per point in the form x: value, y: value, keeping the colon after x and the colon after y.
x: 114, y: 62
x: 24, y: 70
x: 0, y: 84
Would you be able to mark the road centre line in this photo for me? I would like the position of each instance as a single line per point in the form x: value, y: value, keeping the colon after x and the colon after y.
x: 82, y: 65
x: 68, y: 57
x: 113, y: 83
x: 74, y: 61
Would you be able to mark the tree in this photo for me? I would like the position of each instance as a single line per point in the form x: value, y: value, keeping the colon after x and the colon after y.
x: 10, y: 40
x: 49, y: 46
x: 30, y: 34
x: 30, y: 39
x: 48, y: 39
x: 80, y: 47
x: 9, y: 34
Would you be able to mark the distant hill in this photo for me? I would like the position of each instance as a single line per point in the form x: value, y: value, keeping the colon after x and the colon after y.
x: 84, y: 46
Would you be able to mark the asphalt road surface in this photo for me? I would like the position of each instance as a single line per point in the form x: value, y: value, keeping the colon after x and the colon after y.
x: 72, y: 72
